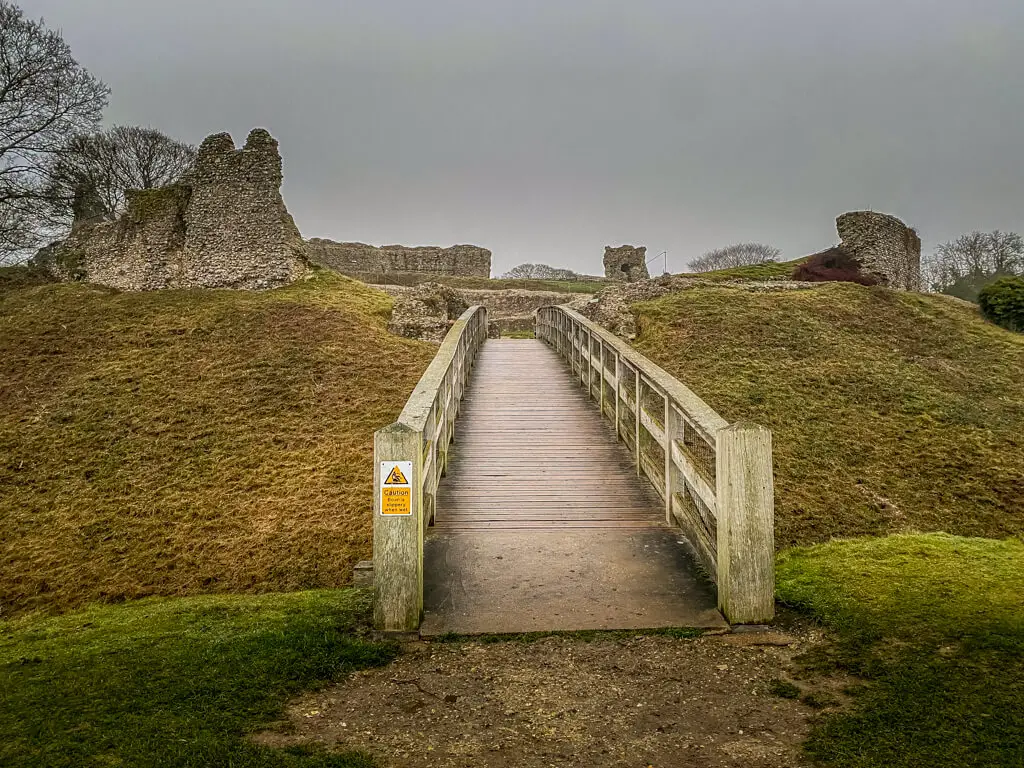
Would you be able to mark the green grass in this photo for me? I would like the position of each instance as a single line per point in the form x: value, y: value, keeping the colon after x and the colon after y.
x: 182, y: 442
x: 935, y: 624
x: 22, y: 276
x: 174, y: 682
x: 890, y: 411
x: 772, y: 270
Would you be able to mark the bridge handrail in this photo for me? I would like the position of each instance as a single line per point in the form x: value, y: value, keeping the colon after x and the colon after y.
x: 421, y: 435
x: 714, y: 478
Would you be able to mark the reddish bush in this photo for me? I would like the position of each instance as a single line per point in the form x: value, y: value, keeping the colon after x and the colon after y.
x: 835, y: 264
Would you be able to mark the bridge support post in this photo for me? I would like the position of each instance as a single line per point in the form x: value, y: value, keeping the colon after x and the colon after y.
x: 398, y: 539
x: 746, y: 523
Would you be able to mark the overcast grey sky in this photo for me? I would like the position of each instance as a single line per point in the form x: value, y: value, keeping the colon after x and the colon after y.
x: 546, y: 129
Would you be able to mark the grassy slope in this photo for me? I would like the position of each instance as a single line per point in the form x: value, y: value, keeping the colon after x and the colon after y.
x: 173, y: 682
x: 771, y: 270
x: 890, y: 411
x: 177, y: 442
x: 935, y: 625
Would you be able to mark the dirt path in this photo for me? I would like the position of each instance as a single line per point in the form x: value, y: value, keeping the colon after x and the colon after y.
x: 638, y: 701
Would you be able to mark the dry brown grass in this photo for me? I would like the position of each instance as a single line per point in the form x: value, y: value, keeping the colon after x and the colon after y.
x: 890, y: 411
x: 180, y: 442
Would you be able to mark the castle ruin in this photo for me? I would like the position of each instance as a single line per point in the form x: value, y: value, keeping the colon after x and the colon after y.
x: 370, y: 263
x: 886, y: 248
x: 224, y: 225
x: 625, y: 263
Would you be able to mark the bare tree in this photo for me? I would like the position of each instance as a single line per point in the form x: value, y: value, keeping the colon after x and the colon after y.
x: 964, y: 266
x: 739, y: 255
x: 109, y: 163
x: 540, y: 272
x: 46, y: 97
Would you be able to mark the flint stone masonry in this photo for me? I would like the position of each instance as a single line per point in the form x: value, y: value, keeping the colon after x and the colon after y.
x: 426, y: 312
x: 224, y: 225
x: 625, y: 263
x: 885, y: 246
x: 366, y: 261
x: 508, y: 309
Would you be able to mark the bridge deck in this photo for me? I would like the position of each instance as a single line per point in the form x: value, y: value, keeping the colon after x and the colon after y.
x: 542, y: 522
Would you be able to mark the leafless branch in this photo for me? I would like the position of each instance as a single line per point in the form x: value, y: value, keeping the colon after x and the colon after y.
x: 46, y: 97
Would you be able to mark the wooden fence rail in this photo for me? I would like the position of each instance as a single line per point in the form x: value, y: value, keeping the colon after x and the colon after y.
x: 715, y: 478
x: 417, y: 445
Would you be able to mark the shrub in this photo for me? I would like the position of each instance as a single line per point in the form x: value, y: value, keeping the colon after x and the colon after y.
x: 1002, y: 302
x: 834, y: 265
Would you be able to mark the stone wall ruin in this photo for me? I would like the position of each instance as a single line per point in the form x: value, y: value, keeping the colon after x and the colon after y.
x: 887, y: 248
x: 224, y: 225
x: 625, y: 263
x: 372, y: 263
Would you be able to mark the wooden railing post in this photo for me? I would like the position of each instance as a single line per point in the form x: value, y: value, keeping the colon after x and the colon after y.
x: 670, y: 436
x: 746, y: 523
x: 398, y: 538
x: 618, y: 394
x: 637, y: 400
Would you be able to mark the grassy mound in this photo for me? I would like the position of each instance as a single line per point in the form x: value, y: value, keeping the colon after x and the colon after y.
x: 178, y: 442
x: 890, y: 411
x: 769, y: 270
x: 174, y: 682
x: 22, y: 276
x: 935, y: 626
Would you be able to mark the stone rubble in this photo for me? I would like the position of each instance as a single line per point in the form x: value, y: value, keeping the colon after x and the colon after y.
x: 426, y: 312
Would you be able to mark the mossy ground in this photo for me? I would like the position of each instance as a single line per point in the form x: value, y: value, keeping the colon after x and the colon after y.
x: 22, y: 276
x: 183, y: 442
x: 934, y: 625
x: 175, y: 682
x: 890, y: 411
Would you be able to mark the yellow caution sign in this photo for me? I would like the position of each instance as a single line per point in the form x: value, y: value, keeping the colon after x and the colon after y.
x: 396, y: 488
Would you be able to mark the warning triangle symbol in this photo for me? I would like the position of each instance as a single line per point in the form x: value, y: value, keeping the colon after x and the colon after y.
x: 396, y: 478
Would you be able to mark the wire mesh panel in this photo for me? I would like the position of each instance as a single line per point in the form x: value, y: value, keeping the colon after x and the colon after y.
x: 653, y: 404
x: 652, y: 461
x: 627, y: 405
x: 698, y: 449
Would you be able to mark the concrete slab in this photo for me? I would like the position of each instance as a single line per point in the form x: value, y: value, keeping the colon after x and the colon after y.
x: 506, y: 581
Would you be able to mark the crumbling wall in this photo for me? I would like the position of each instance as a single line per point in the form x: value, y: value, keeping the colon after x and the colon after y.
x: 362, y: 260
x: 625, y: 263
x: 508, y: 309
x: 426, y: 312
x: 239, y: 233
x: 224, y: 225
x: 886, y: 247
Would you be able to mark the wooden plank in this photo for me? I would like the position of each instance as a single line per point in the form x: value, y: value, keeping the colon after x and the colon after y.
x: 695, y: 479
x: 652, y: 427
x: 398, y: 540
x: 745, y: 522
x: 533, y: 453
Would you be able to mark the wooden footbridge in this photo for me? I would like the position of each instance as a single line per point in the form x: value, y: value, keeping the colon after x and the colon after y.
x: 587, y: 489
